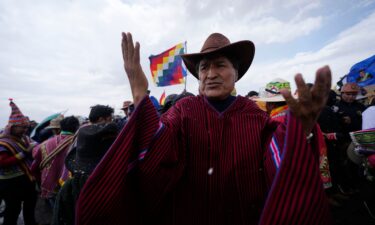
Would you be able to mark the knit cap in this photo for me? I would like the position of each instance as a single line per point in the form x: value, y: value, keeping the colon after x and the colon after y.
x: 16, y: 117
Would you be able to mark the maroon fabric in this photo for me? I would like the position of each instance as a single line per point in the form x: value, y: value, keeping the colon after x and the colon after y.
x: 8, y: 160
x: 205, y: 167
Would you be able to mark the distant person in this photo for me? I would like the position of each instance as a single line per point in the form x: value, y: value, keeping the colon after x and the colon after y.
x: 252, y: 94
x: 349, y: 112
x: 55, y: 125
x: 17, y: 184
x: 127, y: 108
x: 275, y: 103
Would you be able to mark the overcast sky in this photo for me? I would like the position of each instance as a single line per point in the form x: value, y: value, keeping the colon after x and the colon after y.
x: 58, y: 55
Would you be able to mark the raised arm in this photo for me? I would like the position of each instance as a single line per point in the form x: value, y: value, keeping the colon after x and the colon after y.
x: 137, y: 78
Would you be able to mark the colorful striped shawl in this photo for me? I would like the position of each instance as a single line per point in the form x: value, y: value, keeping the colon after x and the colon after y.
x: 15, y: 146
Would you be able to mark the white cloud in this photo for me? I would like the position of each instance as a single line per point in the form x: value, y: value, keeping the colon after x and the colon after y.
x: 349, y: 47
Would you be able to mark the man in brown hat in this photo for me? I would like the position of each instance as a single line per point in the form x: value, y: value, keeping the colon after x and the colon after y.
x: 128, y: 108
x: 125, y: 108
x: 207, y: 160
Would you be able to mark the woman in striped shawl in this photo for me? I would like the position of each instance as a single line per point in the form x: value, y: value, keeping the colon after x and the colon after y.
x: 17, y: 184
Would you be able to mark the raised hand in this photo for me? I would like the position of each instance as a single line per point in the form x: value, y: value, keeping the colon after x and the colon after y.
x: 310, y: 102
x: 137, y: 78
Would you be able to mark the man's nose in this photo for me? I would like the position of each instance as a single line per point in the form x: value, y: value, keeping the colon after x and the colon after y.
x: 211, y: 73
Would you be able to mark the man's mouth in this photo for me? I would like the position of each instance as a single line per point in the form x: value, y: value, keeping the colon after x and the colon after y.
x: 213, y: 84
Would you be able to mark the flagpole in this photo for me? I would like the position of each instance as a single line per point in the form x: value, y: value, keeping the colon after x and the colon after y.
x: 187, y: 71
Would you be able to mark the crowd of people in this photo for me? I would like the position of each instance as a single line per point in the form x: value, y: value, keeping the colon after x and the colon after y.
x: 216, y: 158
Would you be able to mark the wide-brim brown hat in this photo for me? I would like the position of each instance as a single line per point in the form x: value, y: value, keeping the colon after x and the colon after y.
x: 216, y: 43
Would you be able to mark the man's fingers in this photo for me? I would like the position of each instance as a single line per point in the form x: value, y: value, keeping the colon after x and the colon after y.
x: 323, y: 81
x: 300, y: 82
x: 302, y: 89
x: 136, y: 53
x: 292, y: 103
x: 130, y: 45
x: 322, y: 85
x: 124, y: 47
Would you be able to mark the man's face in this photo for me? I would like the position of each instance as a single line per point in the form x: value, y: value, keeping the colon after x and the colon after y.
x: 349, y: 97
x: 217, y: 77
x: 126, y: 111
x: 18, y: 131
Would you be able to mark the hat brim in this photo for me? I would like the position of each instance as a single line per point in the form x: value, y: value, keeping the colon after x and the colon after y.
x: 242, y: 51
x: 53, y: 127
x: 278, y: 98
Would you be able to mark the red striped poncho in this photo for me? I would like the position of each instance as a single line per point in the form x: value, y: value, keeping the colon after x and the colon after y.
x: 195, y: 165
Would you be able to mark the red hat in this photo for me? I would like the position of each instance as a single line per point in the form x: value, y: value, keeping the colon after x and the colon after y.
x: 16, y: 117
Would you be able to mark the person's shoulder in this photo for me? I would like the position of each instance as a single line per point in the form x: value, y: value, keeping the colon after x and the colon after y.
x: 189, y: 102
x: 190, y: 99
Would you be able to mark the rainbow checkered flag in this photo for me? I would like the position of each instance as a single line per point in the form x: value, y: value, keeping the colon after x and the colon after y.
x: 167, y: 68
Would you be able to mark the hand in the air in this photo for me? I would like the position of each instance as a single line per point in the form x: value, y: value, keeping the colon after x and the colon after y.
x: 137, y: 78
x: 310, y: 102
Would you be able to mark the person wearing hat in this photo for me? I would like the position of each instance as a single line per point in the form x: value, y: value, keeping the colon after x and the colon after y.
x: 349, y: 111
x: 275, y: 103
x: 17, y: 184
x: 128, y: 108
x: 207, y: 159
x: 54, y: 125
